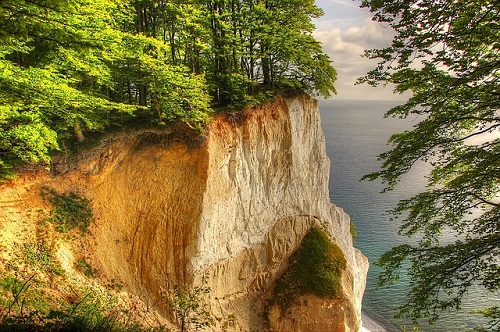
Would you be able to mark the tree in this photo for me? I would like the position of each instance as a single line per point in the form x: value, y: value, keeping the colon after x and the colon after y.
x: 447, y: 53
x: 188, y: 307
x: 288, y: 54
x: 256, y: 46
x: 53, y: 75
x: 67, y: 67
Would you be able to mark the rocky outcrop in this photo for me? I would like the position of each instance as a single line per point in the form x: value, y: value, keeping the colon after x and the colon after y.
x: 273, y: 171
x: 227, y: 211
x: 267, y: 185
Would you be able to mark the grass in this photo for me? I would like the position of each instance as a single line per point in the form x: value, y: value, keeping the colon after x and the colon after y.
x: 22, y: 298
x: 29, y: 302
x: 25, y: 307
x: 70, y: 210
x: 315, y: 268
x: 86, y: 268
x: 39, y: 256
x: 352, y: 229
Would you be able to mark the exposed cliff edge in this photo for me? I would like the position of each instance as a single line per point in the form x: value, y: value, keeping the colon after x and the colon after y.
x: 230, y: 210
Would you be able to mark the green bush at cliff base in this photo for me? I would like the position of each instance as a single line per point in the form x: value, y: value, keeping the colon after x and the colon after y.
x: 315, y: 268
x: 70, y: 210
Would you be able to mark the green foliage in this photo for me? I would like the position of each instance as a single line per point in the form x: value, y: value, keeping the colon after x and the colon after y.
x: 53, y: 67
x: 493, y: 316
x: 89, y: 314
x: 86, y: 268
x: 70, y: 210
x: 315, y: 268
x: 40, y: 256
x: 25, y: 307
x: 447, y: 54
x: 269, y: 43
x: 176, y: 94
x: 72, y: 68
x: 188, y: 307
x: 23, y: 303
x: 352, y: 229
x: 7, y: 170
x: 17, y: 290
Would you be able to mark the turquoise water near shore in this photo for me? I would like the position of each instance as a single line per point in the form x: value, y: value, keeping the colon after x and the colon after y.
x: 356, y: 133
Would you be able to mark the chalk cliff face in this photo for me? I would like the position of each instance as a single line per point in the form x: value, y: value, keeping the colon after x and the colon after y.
x: 267, y: 185
x: 226, y: 212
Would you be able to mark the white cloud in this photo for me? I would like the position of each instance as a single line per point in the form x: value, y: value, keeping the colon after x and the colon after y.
x: 350, y: 4
x: 344, y: 39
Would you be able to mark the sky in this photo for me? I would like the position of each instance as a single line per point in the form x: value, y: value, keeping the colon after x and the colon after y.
x: 346, y: 31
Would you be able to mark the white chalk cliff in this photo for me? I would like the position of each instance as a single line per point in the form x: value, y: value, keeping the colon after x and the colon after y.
x: 229, y: 209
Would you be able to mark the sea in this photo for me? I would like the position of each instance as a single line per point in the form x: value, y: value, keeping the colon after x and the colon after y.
x: 356, y: 133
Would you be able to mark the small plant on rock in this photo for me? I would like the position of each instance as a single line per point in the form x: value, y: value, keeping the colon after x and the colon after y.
x: 86, y: 268
x: 315, y: 268
x: 188, y: 307
x: 70, y: 210
x: 39, y: 256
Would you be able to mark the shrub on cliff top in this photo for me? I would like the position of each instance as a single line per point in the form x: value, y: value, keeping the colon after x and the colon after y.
x: 315, y: 268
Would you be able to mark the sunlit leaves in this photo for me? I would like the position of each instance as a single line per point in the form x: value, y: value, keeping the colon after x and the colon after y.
x: 30, y: 141
x: 176, y: 93
x: 271, y: 43
x: 53, y: 69
x: 447, y: 55
x: 83, y: 66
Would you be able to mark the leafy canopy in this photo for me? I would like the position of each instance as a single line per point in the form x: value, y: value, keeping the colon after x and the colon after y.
x: 71, y: 68
x: 447, y: 53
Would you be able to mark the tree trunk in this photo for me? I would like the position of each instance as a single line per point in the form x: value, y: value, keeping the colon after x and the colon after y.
x: 78, y: 131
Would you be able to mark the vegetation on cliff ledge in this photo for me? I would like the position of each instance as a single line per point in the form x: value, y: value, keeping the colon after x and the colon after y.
x: 70, y: 210
x: 315, y: 268
x: 44, y: 287
x: 70, y: 68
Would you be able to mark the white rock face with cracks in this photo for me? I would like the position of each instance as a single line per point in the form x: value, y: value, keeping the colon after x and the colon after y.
x: 227, y: 212
x: 267, y: 185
